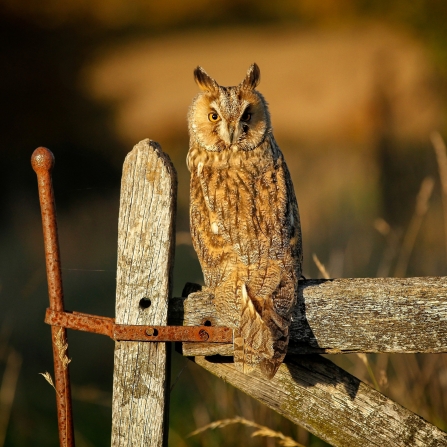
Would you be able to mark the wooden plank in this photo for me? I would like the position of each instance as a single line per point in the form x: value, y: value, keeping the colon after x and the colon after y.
x: 338, y: 408
x: 145, y: 260
x: 395, y: 315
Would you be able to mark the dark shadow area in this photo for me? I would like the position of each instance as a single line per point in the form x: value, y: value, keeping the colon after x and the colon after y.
x: 43, y: 104
x: 219, y: 359
x: 310, y: 370
x: 300, y: 324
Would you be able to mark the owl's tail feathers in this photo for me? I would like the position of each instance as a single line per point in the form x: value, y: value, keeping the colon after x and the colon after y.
x: 269, y: 366
x: 267, y: 357
x: 246, y: 359
x: 259, y: 341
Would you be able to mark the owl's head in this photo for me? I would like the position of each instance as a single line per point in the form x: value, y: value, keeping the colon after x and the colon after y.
x: 222, y: 118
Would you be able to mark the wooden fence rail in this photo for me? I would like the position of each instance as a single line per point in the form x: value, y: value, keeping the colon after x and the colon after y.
x: 395, y: 315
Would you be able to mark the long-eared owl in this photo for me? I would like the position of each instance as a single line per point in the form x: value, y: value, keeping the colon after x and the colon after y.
x: 244, y: 218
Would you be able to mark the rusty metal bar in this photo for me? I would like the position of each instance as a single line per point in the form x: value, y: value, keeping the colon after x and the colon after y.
x: 204, y: 334
x: 42, y: 162
x: 120, y: 332
x: 81, y: 322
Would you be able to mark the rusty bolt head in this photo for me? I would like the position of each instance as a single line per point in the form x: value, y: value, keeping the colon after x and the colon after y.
x: 203, y: 335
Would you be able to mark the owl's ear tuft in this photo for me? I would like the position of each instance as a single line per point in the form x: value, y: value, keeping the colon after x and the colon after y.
x: 252, y: 78
x: 204, y: 81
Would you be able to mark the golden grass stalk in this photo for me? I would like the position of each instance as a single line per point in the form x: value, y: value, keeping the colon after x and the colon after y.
x: 392, y: 239
x: 47, y: 376
x: 320, y: 267
x: 441, y: 157
x: 8, y: 390
x: 422, y: 205
x: 365, y: 361
x: 284, y: 441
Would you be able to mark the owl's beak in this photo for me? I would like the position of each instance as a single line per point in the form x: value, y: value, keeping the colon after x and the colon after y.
x: 231, y: 132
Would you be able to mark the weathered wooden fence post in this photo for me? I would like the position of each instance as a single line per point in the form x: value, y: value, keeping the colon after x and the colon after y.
x: 145, y: 260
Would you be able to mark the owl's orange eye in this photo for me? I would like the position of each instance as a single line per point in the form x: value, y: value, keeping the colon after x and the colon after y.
x: 246, y: 116
x: 213, y: 117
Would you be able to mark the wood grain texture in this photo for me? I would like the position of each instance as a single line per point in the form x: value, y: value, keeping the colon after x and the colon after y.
x: 338, y: 408
x: 145, y: 258
x: 395, y: 315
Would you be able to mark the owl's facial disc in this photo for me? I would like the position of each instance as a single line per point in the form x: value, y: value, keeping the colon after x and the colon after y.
x: 224, y: 118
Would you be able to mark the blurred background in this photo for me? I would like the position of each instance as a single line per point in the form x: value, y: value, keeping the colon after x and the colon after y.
x: 356, y: 90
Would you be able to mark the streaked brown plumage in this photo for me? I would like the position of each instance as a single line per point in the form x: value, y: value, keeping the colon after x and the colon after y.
x: 244, y: 218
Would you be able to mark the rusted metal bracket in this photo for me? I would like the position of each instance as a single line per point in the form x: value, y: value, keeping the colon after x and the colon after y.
x: 122, y: 332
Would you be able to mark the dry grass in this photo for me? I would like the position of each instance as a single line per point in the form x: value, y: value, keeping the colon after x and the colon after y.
x: 392, y: 240
x: 441, y: 157
x: 416, y: 381
x: 422, y: 205
x: 47, y: 376
x: 362, y: 356
x: 263, y: 431
x: 321, y: 267
x: 178, y: 377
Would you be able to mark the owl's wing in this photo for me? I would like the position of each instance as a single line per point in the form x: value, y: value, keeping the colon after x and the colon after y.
x: 273, y: 286
x: 278, y: 220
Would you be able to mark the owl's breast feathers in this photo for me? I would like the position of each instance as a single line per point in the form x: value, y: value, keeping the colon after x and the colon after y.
x: 246, y: 231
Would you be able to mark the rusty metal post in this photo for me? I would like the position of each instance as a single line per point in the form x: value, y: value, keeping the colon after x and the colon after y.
x: 42, y: 162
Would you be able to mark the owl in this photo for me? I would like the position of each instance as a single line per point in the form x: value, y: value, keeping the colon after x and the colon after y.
x: 244, y: 218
